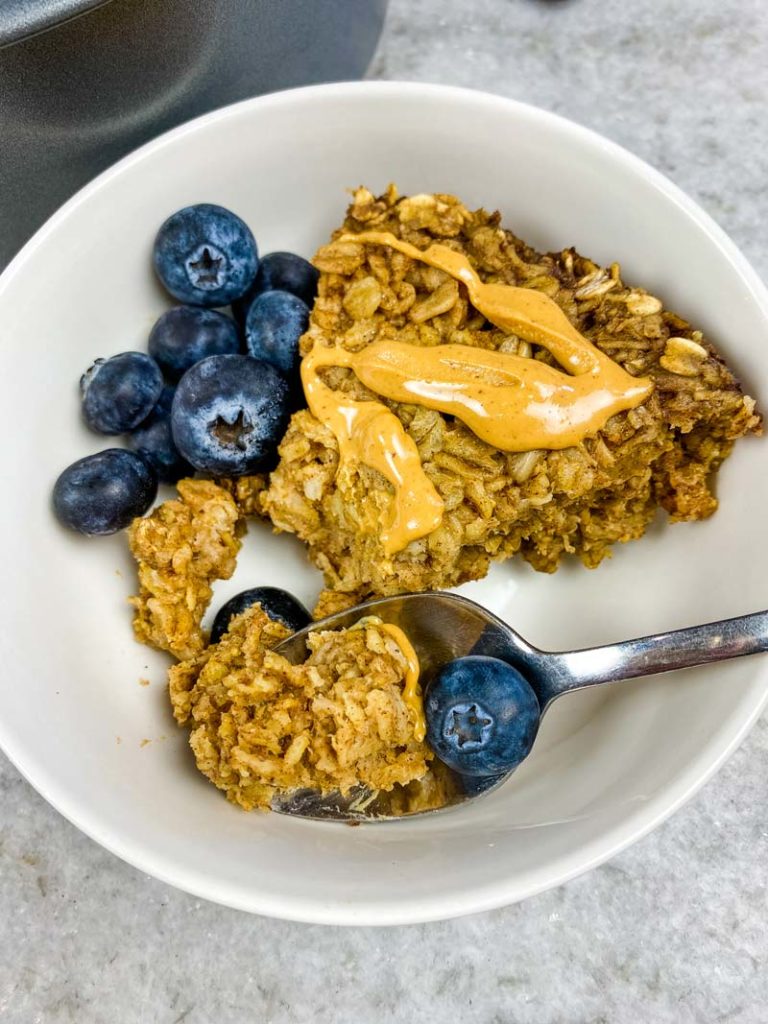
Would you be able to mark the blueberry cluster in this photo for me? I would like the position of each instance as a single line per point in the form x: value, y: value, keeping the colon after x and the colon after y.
x: 214, y: 392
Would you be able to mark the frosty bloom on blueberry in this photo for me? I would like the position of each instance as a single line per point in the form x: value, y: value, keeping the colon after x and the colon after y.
x: 153, y: 440
x: 103, y: 493
x: 118, y: 393
x: 482, y: 716
x: 229, y: 415
x: 231, y: 409
x: 206, y: 255
x: 186, y: 334
x: 280, y: 271
x: 273, y: 327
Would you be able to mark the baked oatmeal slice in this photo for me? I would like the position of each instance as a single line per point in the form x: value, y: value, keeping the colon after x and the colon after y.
x: 262, y: 727
x: 541, y: 504
x: 181, y: 548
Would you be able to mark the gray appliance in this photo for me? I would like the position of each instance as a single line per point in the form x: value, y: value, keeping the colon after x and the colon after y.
x: 83, y: 82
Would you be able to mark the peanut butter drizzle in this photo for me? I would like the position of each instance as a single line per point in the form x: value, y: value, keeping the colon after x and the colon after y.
x: 411, y: 688
x: 368, y: 432
x: 513, y: 403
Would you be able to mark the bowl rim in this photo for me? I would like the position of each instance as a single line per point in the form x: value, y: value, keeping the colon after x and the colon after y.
x: 609, y: 842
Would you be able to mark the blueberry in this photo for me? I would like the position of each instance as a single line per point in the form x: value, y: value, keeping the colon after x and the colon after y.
x: 274, y: 324
x: 186, y: 334
x: 119, y: 392
x: 476, y: 785
x: 283, y: 271
x: 278, y: 604
x: 229, y: 414
x: 153, y: 440
x: 205, y: 255
x: 482, y: 716
x: 103, y: 493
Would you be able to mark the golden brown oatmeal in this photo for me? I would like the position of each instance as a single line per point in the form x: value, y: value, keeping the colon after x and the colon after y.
x: 541, y: 504
x: 262, y: 726
x: 181, y: 548
x: 247, y: 492
x: 331, y: 602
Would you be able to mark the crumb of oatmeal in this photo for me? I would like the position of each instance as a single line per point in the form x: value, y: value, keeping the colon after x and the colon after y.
x: 331, y: 602
x: 541, y: 505
x: 143, y: 682
x: 262, y: 726
x: 118, y: 740
x: 145, y: 742
x: 248, y: 492
x: 181, y: 548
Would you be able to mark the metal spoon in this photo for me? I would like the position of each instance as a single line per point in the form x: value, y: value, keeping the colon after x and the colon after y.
x: 444, y: 626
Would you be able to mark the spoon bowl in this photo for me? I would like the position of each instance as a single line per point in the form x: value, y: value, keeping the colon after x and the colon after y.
x: 443, y: 626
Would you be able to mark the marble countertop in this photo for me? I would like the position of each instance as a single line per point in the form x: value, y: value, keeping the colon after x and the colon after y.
x: 674, y: 929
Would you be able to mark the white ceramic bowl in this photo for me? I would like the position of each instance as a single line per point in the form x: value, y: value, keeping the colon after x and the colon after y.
x: 609, y: 764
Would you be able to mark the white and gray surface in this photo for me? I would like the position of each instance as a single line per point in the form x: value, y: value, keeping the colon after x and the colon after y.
x: 673, y: 930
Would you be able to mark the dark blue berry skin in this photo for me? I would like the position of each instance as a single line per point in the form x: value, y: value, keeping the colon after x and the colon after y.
x: 103, y: 493
x: 153, y: 440
x: 186, y: 334
x: 229, y: 414
x: 476, y: 785
x: 119, y: 392
x: 205, y: 255
x: 482, y: 716
x: 281, y: 271
x: 273, y: 327
x: 278, y: 604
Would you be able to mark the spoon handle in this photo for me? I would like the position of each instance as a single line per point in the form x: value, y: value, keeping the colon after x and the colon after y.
x: 648, y: 655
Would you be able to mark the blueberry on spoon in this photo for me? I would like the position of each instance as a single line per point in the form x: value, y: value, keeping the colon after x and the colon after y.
x: 482, y: 716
